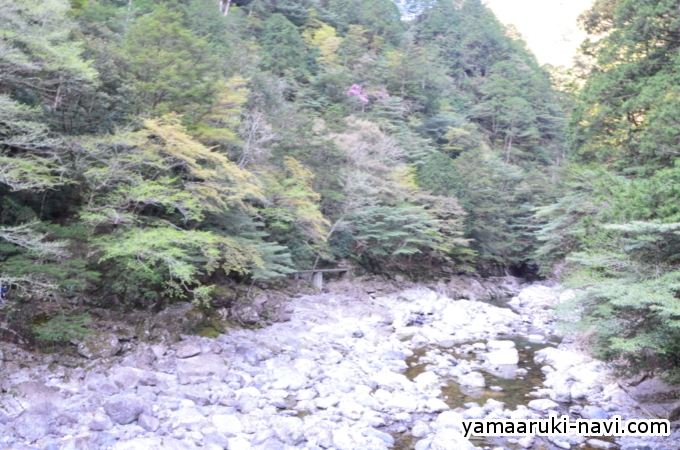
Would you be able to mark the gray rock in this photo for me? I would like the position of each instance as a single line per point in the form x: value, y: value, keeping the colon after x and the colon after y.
x: 102, y: 345
x: 202, y: 366
x: 248, y: 355
x: 237, y: 380
x: 597, y: 443
x: 198, y: 395
x: 319, y: 433
x: 593, y: 412
x: 288, y: 429
x: 561, y: 388
x: 272, y: 444
x: 100, y: 422
x: 37, y: 397
x: 123, y: 409
x: 245, y: 313
x: 148, y: 422
x: 129, y: 377
x: 32, y: 426
x: 169, y: 324
x: 386, y: 438
x: 188, y: 350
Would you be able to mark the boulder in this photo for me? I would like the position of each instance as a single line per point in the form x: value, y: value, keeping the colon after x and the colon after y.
x: 420, y: 429
x: 537, y: 296
x: 202, y: 366
x: 542, y: 405
x: 428, y: 383
x: 227, y: 424
x: 472, y: 379
x: 188, y: 350
x: 37, y: 397
x: 246, y: 314
x: 172, y: 322
x: 102, y: 345
x: 148, y: 422
x: 560, y: 360
x: 657, y: 397
x: 32, y: 427
x: 129, y: 377
x: 448, y: 419
x: 450, y: 439
x: 123, y: 409
x: 100, y: 422
x: 505, y: 356
x: 593, y: 412
x: 288, y: 429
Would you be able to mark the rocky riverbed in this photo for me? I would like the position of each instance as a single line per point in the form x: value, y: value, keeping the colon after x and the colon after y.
x: 361, y: 366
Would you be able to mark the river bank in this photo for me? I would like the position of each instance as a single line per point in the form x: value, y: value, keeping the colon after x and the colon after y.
x: 364, y: 365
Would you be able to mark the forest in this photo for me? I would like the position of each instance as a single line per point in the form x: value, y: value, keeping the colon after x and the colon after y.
x: 156, y: 149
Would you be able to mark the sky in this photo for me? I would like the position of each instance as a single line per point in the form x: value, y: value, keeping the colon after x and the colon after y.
x: 548, y: 26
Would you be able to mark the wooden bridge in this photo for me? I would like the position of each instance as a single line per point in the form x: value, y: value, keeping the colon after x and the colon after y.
x: 315, y: 277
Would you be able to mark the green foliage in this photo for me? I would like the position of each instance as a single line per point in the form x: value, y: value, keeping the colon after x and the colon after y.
x: 283, y: 46
x: 62, y: 329
x: 617, y: 220
x: 167, y: 68
x: 149, y: 149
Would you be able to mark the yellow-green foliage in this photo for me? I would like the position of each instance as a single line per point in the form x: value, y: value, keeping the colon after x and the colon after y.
x: 219, y: 122
x: 293, y: 201
x: 324, y: 37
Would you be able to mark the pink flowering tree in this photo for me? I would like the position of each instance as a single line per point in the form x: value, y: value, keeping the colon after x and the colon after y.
x: 357, y: 92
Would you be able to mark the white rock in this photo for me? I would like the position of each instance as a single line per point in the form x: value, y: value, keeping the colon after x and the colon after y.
x: 560, y: 360
x: 428, y: 383
x: 435, y: 405
x: 342, y: 440
x: 450, y: 439
x: 202, y: 366
x: 238, y: 443
x: 327, y: 402
x: 420, y: 429
x: 289, y: 429
x: 227, y: 425
x: 401, y: 402
x: 476, y: 412
x: 456, y: 314
x: 499, y: 345
x: 392, y: 380
x: 542, y: 404
x: 537, y: 296
x: 507, y: 356
x: 472, y: 379
x: 448, y: 419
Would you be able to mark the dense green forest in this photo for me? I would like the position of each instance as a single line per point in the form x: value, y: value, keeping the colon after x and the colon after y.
x: 154, y: 149
x: 618, y: 216
x: 150, y: 148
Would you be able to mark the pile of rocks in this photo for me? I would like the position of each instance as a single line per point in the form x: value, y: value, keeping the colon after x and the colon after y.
x: 332, y: 377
